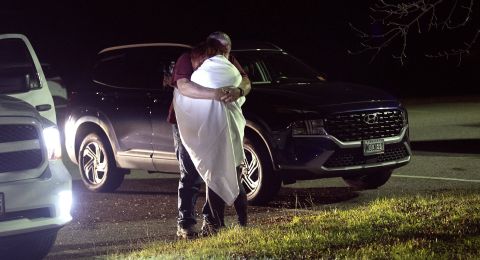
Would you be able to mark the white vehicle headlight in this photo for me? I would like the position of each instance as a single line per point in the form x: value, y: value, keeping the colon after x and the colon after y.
x: 52, y: 141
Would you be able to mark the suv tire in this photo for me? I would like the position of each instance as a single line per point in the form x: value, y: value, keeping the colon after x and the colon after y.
x: 97, y: 165
x: 259, y: 180
x: 368, y: 181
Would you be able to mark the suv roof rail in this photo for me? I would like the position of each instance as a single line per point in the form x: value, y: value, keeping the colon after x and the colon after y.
x: 142, y: 45
x: 253, y: 45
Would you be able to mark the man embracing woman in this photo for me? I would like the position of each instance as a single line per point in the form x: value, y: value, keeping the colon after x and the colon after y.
x: 210, y: 128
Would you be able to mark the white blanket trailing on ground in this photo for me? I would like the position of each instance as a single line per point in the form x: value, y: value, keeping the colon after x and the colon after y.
x: 212, y: 131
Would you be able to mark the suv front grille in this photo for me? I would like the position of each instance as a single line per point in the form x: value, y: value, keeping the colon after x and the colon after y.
x: 354, y: 156
x: 20, y: 159
x: 364, y: 125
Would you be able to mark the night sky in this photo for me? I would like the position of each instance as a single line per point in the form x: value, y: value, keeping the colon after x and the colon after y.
x: 68, y: 35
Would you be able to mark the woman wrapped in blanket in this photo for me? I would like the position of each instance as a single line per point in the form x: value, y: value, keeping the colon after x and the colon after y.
x: 212, y: 132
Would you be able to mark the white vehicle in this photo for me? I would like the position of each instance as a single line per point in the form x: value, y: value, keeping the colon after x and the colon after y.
x: 56, y: 87
x: 21, y: 75
x: 35, y: 186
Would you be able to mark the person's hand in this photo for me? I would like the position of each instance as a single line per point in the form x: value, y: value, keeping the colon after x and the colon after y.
x: 230, y: 94
x: 218, y: 94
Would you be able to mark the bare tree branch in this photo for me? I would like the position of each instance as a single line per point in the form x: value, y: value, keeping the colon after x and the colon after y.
x: 457, y: 52
x: 449, y: 23
x: 398, y: 20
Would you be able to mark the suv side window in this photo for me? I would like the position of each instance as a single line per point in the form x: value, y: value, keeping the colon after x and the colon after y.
x: 126, y: 71
x: 17, y: 70
x: 255, y: 68
x: 139, y: 69
x: 283, y: 66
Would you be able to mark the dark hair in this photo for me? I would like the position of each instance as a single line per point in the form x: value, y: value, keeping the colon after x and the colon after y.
x: 220, y: 36
x: 205, y: 50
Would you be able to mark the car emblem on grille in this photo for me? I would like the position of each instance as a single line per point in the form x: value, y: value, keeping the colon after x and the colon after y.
x: 371, y: 118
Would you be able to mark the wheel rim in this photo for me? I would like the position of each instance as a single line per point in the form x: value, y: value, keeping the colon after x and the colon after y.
x: 94, y: 163
x: 252, y: 174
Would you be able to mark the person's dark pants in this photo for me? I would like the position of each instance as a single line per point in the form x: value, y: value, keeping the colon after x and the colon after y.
x: 214, y: 209
x: 189, y: 184
x: 189, y: 187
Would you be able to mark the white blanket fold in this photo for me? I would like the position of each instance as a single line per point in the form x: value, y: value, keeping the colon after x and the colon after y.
x: 212, y: 131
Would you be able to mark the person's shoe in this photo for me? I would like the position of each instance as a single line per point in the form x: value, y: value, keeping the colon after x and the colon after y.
x: 208, y: 229
x: 186, y: 232
x: 242, y: 220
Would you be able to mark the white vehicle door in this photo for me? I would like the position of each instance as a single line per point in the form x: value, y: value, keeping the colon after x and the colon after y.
x: 21, y: 75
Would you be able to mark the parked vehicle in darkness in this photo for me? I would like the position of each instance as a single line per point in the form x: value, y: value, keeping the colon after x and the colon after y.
x: 298, y: 125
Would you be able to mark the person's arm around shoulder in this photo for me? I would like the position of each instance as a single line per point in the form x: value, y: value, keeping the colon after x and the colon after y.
x: 181, y: 79
x: 193, y: 90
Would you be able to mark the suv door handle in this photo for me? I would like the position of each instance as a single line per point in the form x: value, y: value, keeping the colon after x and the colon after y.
x: 44, y: 107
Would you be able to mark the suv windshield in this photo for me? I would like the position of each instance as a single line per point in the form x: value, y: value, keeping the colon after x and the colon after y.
x: 275, y: 66
x: 17, y: 70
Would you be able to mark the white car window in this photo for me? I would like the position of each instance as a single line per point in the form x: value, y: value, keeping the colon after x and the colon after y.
x: 21, y: 75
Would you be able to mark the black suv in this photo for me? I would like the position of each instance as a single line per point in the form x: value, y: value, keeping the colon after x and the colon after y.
x: 298, y: 125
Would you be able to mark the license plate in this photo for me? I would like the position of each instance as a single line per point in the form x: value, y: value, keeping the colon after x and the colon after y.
x: 2, y: 204
x: 373, y: 146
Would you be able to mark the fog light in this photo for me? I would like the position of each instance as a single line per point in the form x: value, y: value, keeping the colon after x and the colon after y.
x: 64, y: 206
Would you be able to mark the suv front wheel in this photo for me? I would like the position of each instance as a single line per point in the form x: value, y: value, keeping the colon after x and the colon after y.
x: 259, y: 180
x: 97, y: 164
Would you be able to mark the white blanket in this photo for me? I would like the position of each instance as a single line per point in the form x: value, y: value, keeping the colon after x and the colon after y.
x: 212, y: 131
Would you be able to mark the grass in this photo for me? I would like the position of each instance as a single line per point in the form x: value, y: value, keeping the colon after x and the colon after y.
x: 439, y: 226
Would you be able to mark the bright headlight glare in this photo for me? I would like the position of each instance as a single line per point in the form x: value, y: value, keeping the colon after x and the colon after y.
x: 64, y: 206
x: 52, y: 141
x: 308, y: 127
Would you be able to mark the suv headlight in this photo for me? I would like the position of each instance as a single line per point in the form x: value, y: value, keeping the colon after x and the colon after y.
x: 51, y: 137
x: 308, y: 127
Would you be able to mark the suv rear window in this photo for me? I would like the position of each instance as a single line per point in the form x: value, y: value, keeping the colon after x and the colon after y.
x: 17, y: 69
